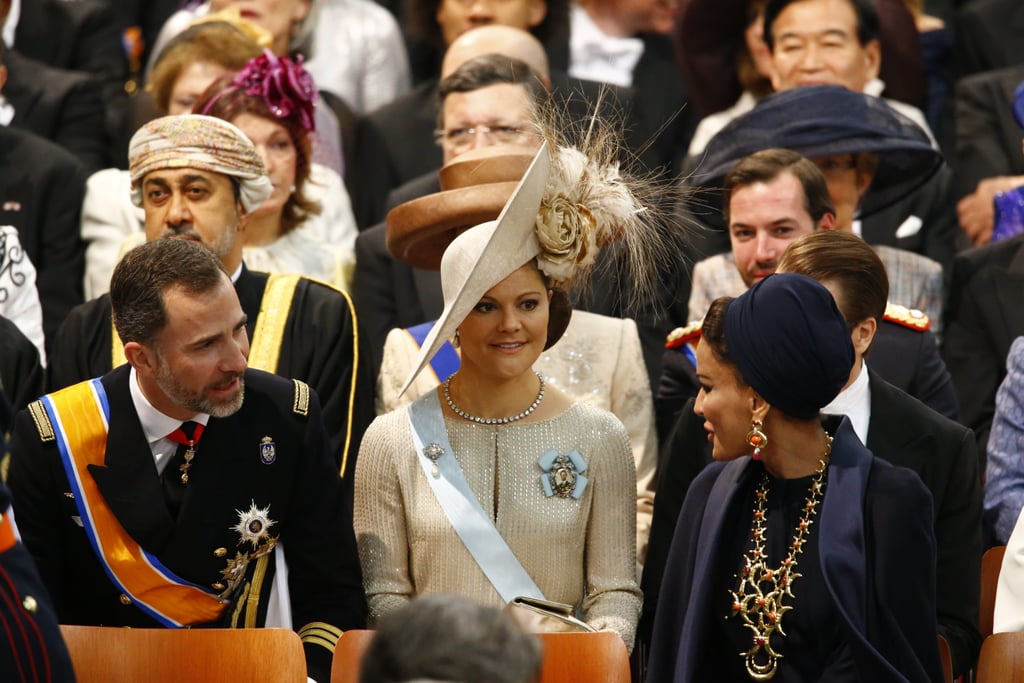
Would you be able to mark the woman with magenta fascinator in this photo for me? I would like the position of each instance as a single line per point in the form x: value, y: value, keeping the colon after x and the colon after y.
x: 272, y: 101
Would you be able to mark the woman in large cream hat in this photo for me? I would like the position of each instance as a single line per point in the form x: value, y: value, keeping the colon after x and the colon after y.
x: 495, y: 485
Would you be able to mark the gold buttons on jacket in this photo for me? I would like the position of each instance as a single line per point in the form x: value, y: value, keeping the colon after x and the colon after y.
x: 30, y: 604
x: 125, y: 600
x: 220, y: 552
x: 217, y: 586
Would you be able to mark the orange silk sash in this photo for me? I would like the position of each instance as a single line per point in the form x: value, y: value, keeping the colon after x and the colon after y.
x: 80, y: 415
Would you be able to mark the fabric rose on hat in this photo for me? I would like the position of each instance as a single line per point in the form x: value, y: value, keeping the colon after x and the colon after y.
x: 565, y: 232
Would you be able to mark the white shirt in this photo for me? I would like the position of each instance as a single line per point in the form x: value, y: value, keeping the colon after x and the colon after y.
x: 11, y: 25
x: 594, y: 56
x: 6, y: 112
x: 155, y: 425
x: 855, y: 402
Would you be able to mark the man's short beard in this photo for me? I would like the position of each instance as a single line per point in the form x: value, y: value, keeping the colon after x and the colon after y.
x: 198, y: 402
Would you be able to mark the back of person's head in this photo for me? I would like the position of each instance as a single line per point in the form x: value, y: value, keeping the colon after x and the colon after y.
x: 450, y: 638
x: 767, y: 165
x: 848, y: 266
x: 146, y: 272
x: 865, y: 11
x: 496, y: 39
x: 215, y: 42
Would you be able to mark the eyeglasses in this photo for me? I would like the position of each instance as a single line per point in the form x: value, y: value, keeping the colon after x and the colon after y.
x: 461, y: 139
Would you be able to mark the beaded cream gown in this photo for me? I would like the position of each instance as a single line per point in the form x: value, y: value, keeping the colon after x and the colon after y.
x: 578, y: 551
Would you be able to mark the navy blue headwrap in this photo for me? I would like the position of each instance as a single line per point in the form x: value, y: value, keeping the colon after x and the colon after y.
x: 790, y: 343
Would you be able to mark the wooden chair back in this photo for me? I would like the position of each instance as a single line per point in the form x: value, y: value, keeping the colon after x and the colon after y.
x: 584, y: 658
x: 348, y: 653
x: 991, y: 563
x: 568, y: 657
x: 161, y: 655
x: 1001, y: 659
x: 947, y: 660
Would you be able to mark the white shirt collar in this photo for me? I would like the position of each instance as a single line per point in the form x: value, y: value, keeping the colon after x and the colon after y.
x: 235, y: 275
x: 12, y: 23
x: 155, y: 425
x: 855, y: 402
x: 6, y: 112
x: 594, y: 56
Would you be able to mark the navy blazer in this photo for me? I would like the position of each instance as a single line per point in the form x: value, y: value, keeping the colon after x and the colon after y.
x: 879, y: 574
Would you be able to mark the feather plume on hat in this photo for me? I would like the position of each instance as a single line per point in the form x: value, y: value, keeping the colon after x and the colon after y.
x: 573, y: 201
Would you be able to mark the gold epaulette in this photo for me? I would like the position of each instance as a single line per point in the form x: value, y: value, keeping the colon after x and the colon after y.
x: 907, y: 317
x: 42, y: 420
x: 300, y: 406
x: 682, y: 335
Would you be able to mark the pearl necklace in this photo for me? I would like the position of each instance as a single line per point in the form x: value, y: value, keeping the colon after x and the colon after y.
x: 762, y: 610
x: 493, y: 420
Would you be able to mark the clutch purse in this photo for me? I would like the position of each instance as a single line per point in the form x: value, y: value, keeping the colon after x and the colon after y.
x: 534, y: 615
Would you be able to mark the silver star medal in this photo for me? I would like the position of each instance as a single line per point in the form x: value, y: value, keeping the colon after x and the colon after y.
x: 434, y: 452
x: 253, y: 525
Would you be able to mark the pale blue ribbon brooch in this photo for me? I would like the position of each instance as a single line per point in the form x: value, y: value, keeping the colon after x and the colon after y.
x: 563, y: 474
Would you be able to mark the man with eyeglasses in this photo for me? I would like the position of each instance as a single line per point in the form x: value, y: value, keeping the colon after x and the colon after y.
x: 488, y: 100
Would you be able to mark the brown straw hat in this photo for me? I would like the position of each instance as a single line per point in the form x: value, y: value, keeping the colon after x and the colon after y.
x: 474, y: 189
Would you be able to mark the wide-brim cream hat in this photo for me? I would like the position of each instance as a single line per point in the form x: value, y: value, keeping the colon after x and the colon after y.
x: 486, y: 254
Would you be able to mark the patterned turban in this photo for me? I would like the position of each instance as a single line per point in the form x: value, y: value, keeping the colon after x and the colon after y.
x: 202, y: 142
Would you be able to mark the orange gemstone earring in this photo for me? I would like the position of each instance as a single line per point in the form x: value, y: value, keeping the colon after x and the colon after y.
x: 757, y: 438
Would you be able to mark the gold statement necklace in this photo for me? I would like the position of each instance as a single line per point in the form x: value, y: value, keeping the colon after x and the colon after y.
x: 758, y: 598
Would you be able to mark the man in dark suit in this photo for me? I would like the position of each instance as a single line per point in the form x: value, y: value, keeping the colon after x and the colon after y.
x: 988, y: 158
x: 176, y: 489
x: 299, y: 328
x: 483, y: 91
x: 983, y: 318
x: 988, y: 36
x: 892, y: 424
x: 21, y: 374
x: 64, y: 107
x: 42, y: 187
x: 76, y: 36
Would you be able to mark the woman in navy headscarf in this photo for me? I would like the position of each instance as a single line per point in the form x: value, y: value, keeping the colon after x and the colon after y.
x: 798, y: 555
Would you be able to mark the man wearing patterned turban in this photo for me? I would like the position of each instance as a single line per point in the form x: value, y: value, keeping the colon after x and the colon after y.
x: 199, y: 177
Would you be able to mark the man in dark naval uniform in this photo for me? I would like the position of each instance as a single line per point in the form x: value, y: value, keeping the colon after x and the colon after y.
x: 298, y: 328
x: 184, y: 488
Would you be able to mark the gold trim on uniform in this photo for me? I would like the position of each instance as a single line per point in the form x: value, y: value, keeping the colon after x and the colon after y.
x: 300, y: 406
x: 252, y: 603
x: 42, y: 420
x: 907, y: 317
x: 682, y: 335
x: 268, y: 334
x: 320, y: 633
